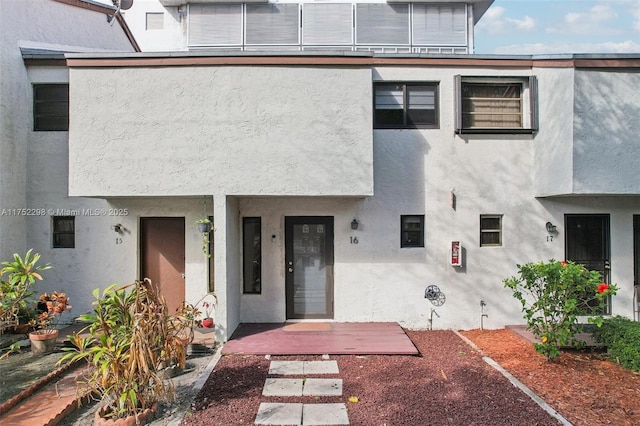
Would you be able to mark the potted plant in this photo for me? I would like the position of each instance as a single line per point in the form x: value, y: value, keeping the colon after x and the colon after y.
x: 131, y: 337
x: 205, y: 227
x: 53, y: 305
x: 208, y: 302
x: 15, y: 291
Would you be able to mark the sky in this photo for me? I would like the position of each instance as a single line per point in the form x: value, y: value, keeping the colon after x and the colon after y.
x: 559, y: 26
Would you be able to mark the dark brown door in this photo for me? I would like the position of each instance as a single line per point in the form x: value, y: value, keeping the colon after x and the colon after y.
x: 587, y: 243
x: 309, y: 266
x: 162, y: 256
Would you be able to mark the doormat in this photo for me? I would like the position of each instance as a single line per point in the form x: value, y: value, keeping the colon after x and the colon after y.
x: 308, y: 326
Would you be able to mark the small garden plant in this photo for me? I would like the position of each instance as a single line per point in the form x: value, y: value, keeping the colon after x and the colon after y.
x: 621, y: 336
x: 554, y: 295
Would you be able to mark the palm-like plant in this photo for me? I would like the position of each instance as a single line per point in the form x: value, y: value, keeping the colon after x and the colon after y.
x: 131, y: 335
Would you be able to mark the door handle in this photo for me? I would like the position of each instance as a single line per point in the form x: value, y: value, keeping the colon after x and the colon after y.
x: 182, y: 276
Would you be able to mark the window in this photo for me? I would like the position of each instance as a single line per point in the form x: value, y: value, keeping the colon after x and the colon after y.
x: 51, y: 107
x: 155, y: 21
x: 412, y: 234
x: 496, y: 105
x: 64, y: 232
x: 406, y: 105
x: 252, y: 254
x: 490, y: 230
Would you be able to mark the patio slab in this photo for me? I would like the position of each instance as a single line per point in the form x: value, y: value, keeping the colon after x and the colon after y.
x: 321, y: 367
x: 286, y: 368
x: 282, y: 387
x: 322, y: 387
x: 271, y: 413
x: 324, y: 414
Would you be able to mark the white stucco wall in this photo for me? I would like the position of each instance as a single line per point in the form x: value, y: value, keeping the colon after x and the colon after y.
x: 171, y: 37
x: 606, y: 153
x: 41, y: 24
x: 553, y: 149
x: 222, y: 130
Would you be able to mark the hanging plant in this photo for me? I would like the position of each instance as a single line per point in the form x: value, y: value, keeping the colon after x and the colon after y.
x: 205, y: 227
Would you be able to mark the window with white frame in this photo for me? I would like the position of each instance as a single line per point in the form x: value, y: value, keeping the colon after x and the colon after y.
x: 490, y: 230
x: 154, y: 21
x: 405, y: 105
x: 496, y: 105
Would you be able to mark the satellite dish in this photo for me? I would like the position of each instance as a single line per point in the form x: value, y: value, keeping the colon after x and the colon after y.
x: 126, y: 4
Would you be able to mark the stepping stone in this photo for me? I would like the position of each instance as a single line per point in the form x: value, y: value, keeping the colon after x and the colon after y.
x: 286, y: 367
x: 279, y: 414
x: 324, y: 414
x: 322, y: 387
x: 282, y: 387
x: 321, y: 367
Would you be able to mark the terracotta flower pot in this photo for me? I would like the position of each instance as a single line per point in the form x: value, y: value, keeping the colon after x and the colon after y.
x: 143, y: 417
x: 208, y: 322
x: 43, y: 341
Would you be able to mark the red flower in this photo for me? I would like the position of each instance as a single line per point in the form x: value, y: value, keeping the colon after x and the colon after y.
x: 602, y: 287
x: 563, y: 263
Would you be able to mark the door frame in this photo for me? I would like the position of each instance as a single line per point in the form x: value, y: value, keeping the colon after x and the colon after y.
x: 327, y: 221
x: 636, y: 266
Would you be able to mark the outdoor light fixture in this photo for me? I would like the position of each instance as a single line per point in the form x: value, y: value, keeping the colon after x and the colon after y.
x: 354, y: 224
x: 550, y: 227
x: 118, y: 228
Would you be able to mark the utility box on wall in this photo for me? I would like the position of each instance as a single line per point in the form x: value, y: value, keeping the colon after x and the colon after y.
x: 455, y: 254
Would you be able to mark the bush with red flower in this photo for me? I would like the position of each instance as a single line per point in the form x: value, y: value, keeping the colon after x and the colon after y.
x: 52, y: 305
x: 554, y: 295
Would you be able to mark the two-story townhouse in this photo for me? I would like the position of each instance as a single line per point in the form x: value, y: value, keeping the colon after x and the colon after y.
x: 346, y: 184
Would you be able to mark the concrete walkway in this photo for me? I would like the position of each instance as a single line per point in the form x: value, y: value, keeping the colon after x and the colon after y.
x: 283, y: 413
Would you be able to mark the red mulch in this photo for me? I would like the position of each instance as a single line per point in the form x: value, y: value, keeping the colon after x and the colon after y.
x: 583, y: 386
x: 448, y: 384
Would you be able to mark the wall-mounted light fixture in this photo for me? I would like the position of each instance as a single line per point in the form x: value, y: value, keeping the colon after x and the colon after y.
x: 118, y: 228
x: 354, y: 224
x: 550, y: 227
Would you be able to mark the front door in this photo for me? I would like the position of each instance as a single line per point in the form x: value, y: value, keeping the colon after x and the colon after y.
x: 309, y: 266
x: 162, y: 256
x: 587, y: 243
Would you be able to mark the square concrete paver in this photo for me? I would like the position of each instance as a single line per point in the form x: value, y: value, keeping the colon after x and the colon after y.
x: 282, y: 387
x: 324, y: 414
x: 321, y: 367
x: 322, y: 387
x: 286, y: 367
x: 279, y: 414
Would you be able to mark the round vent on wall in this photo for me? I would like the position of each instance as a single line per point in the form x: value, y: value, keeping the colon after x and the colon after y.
x: 126, y: 4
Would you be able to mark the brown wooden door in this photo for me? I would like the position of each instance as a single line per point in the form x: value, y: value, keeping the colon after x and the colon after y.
x: 162, y: 256
x: 309, y: 267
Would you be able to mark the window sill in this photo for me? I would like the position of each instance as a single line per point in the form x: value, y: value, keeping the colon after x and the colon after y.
x: 496, y: 131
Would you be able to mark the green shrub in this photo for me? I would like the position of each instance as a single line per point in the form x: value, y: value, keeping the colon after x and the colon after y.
x: 553, y: 295
x: 621, y: 336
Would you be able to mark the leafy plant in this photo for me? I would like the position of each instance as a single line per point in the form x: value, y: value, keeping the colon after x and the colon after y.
x: 54, y: 305
x: 205, y: 231
x: 131, y: 337
x: 621, y: 336
x: 15, y: 291
x: 553, y: 295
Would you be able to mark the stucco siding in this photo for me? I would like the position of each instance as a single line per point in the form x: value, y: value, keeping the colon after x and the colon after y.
x: 221, y: 130
x: 607, y: 125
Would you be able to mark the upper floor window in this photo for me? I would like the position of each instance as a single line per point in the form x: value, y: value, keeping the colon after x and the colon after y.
x: 154, y: 21
x: 496, y: 105
x: 50, y: 107
x: 406, y: 105
x: 64, y: 231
